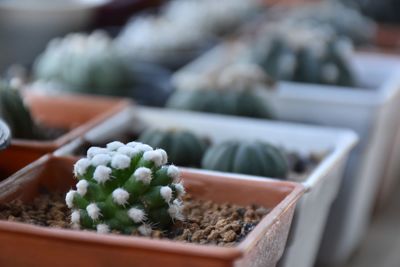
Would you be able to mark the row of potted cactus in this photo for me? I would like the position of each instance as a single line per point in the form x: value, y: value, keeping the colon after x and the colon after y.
x: 124, y: 186
x: 111, y: 169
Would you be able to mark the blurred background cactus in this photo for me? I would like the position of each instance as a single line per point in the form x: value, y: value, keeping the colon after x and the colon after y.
x: 127, y: 188
x: 253, y: 158
x: 345, y: 20
x: 231, y: 91
x: 183, y: 147
x: 84, y: 63
x: 16, y: 114
x: 303, y: 52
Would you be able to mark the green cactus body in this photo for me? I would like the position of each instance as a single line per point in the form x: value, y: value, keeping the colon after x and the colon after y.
x: 228, y: 102
x: 253, y: 158
x: 84, y: 63
x: 127, y: 188
x: 183, y: 147
x: 305, y: 54
x: 345, y: 20
x: 16, y: 114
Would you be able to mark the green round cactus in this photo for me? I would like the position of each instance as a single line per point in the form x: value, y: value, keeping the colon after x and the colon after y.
x: 345, y: 20
x: 183, y: 147
x: 14, y: 112
x: 84, y: 63
x: 127, y: 188
x: 253, y: 158
x: 227, y: 102
x: 305, y: 53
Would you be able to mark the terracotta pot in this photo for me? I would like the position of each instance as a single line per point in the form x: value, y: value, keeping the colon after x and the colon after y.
x: 76, y: 113
x: 14, y: 159
x: 28, y: 245
x: 388, y: 37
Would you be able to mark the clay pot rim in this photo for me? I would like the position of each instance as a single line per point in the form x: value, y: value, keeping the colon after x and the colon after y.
x: 50, y: 145
x: 161, y: 245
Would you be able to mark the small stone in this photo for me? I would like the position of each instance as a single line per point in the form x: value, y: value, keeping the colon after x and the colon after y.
x: 208, y: 230
x: 197, y: 236
x: 213, y: 236
x: 221, y: 223
x: 229, y: 236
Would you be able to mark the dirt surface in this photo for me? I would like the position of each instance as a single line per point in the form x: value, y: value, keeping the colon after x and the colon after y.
x: 205, y: 222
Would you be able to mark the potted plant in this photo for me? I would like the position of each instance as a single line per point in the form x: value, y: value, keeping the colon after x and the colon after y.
x: 297, y: 142
x: 41, y: 124
x: 141, y: 197
x: 92, y: 64
x: 372, y: 104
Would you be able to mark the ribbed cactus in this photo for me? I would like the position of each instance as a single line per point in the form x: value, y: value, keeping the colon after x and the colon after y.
x: 304, y: 52
x: 14, y: 112
x: 84, y: 63
x: 127, y: 188
x: 233, y: 91
x: 346, y: 20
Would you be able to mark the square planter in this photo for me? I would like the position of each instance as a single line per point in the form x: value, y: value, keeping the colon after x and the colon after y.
x: 27, y: 245
x: 74, y: 113
x: 12, y: 160
x: 370, y: 110
x: 322, y: 183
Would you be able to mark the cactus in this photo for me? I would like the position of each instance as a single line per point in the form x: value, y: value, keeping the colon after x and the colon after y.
x: 84, y: 63
x: 183, y: 147
x: 345, y: 20
x: 14, y: 112
x: 253, y: 158
x: 232, y: 92
x: 303, y: 52
x: 126, y: 188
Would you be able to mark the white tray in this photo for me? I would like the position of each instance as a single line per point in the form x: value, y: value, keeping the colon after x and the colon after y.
x: 370, y: 110
x: 322, y: 184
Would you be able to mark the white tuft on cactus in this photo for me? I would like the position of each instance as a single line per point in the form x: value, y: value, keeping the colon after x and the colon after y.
x: 102, y: 174
x: 75, y: 217
x: 143, y: 148
x: 133, y: 144
x: 82, y: 187
x: 120, y: 196
x: 81, y: 167
x: 93, y: 211
x: 137, y: 215
x: 101, y: 159
x: 93, y: 151
x: 153, y: 156
x: 143, y: 174
x: 120, y: 161
x: 69, y: 198
x: 127, y: 151
x: 175, y: 210
x: 173, y: 172
x: 113, y: 146
x: 103, y: 228
x: 164, y: 156
x: 166, y: 193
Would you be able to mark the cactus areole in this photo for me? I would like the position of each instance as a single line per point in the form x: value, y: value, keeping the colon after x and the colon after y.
x: 126, y: 188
